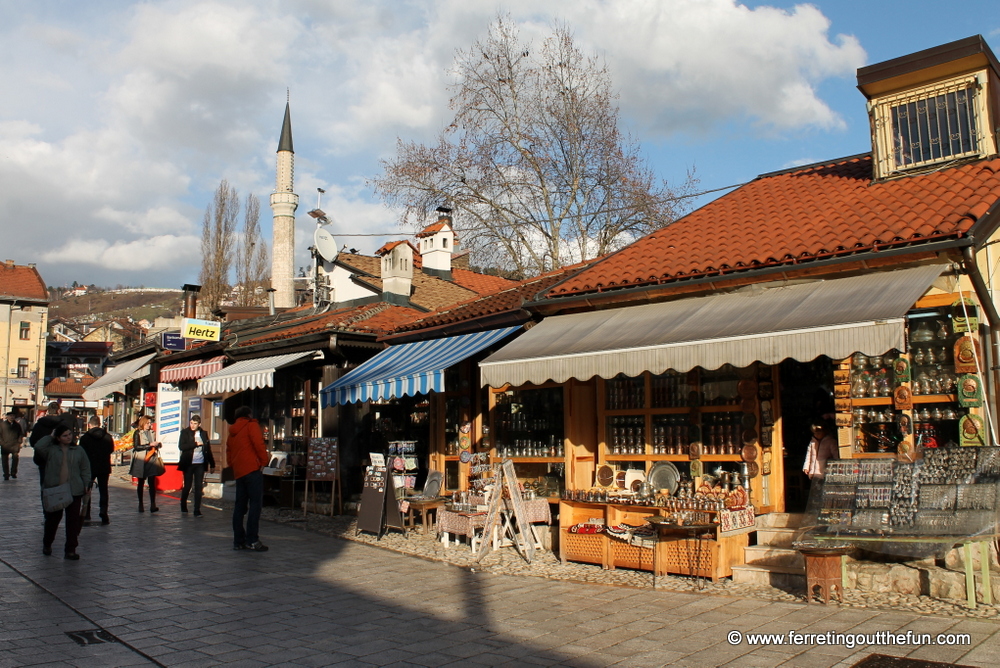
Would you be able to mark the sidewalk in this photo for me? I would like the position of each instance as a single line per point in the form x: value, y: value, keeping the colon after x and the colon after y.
x: 168, y: 590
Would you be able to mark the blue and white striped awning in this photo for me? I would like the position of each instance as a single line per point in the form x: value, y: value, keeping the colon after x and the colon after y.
x: 408, y: 369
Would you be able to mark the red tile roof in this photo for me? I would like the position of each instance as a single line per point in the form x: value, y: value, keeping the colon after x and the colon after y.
x: 379, y: 318
x: 798, y: 215
x: 508, y: 299
x: 429, y: 292
x: 433, y: 229
x: 68, y: 387
x: 484, y: 284
x: 21, y: 281
x: 389, y: 245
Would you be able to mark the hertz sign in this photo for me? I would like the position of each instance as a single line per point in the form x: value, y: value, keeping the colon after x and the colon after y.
x: 206, y: 330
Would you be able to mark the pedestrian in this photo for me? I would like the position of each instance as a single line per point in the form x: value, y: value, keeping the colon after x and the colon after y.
x: 65, y: 462
x: 196, y: 454
x: 822, y: 447
x: 99, y: 446
x: 247, y: 455
x: 142, y: 442
x: 10, y: 445
x: 44, y: 426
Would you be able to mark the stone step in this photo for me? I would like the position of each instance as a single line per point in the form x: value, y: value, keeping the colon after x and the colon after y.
x: 780, y: 520
x: 782, y: 577
x: 777, y: 536
x: 765, y: 555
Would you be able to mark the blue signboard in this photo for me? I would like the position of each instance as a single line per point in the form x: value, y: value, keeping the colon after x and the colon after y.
x: 173, y: 341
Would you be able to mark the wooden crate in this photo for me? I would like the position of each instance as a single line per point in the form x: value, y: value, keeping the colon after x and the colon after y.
x: 688, y: 556
x: 626, y: 555
x: 589, y: 548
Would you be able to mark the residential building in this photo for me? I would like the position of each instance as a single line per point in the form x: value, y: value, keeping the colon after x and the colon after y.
x: 23, y: 325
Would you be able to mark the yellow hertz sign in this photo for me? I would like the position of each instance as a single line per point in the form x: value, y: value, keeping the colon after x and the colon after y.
x: 206, y: 330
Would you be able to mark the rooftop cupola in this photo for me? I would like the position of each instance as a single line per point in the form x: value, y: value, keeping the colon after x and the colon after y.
x: 437, y: 243
x: 932, y: 107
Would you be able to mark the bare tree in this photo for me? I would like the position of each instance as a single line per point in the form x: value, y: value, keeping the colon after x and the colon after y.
x: 534, y: 163
x: 218, y: 237
x: 252, y: 275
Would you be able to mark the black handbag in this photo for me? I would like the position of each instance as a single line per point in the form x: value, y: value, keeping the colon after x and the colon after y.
x: 154, y: 465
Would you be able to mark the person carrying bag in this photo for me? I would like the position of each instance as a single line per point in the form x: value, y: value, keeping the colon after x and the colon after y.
x: 146, y: 467
x: 63, y: 487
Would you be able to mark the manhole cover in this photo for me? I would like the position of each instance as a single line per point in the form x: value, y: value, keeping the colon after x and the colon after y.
x: 886, y: 661
x: 91, y: 637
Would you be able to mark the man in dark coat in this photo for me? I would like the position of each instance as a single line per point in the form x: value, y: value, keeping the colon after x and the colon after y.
x: 44, y: 426
x: 10, y: 445
x: 99, y: 446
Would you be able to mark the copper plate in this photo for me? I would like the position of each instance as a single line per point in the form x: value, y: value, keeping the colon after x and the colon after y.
x: 749, y: 405
x: 752, y: 469
x: 747, y: 389
x: 749, y: 421
x: 749, y: 453
x: 749, y: 436
x: 605, y: 476
x: 620, y: 479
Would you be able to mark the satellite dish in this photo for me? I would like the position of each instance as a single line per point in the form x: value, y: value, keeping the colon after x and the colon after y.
x: 326, y: 245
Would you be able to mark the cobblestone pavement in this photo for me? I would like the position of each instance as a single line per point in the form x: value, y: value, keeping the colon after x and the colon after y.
x: 168, y: 590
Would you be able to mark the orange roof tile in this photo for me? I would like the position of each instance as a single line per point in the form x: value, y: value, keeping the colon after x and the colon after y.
x: 22, y: 281
x: 389, y: 245
x: 482, y: 283
x: 812, y: 212
x: 378, y: 318
x: 68, y: 387
x: 429, y: 292
x: 433, y: 229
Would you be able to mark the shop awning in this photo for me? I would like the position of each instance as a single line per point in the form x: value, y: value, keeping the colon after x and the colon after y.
x: 117, y: 378
x: 835, y: 317
x: 175, y: 373
x: 408, y: 369
x: 248, y: 374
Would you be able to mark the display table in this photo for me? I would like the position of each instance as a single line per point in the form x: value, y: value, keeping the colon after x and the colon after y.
x: 425, y: 507
x: 450, y: 523
x: 824, y: 569
x: 710, y: 553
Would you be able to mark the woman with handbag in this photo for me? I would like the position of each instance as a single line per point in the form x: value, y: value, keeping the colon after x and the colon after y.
x: 67, y: 479
x: 146, y: 462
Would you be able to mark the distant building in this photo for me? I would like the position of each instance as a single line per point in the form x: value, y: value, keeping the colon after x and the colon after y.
x: 24, y: 309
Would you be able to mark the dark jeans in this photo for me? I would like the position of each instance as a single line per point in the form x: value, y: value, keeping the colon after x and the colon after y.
x: 193, y: 476
x: 102, y: 487
x: 73, y: 524
x: 152, y: 490
x: 249, y: 492
x: 9, y: 467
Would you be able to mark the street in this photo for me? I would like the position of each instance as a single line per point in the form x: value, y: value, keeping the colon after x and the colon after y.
x: 166, y: 589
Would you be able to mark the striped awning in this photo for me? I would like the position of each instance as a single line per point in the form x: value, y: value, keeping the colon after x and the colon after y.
x: 190, y: 370
x: 248, y: 374
x: 408, y: 369
x: 765, y: 323
x: 117, y: 378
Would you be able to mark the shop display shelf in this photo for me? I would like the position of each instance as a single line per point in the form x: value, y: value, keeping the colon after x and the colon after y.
x: 586, y: 548
x: 536, y: 460
x: 934, y: 398
x: 872, y: 401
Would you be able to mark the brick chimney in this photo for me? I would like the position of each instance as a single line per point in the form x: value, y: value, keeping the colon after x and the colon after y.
x: 437, y: 243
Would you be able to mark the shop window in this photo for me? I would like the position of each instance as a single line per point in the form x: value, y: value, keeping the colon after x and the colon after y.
x: 25, y: 333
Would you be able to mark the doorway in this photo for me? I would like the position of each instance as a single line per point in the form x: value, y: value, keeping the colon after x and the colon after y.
x: 806, y: 395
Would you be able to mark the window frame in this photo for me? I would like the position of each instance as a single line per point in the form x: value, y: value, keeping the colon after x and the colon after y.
x: 25, y: 331
x: 22, y: 367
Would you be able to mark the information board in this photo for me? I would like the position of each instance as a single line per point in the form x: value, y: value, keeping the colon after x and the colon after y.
x: 379, y: 508
x: 322, y: 459
x: 168, y: 422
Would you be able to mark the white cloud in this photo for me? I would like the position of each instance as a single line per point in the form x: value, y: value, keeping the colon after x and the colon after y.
x: 153, y: 253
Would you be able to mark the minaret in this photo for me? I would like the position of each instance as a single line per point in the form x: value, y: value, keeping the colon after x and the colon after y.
x: 284, y: 202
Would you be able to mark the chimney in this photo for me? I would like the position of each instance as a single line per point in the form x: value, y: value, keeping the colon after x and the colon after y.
x: 191, y: 300
x: 437, y: 243
x: 397, y: 272
x: 9, y: 263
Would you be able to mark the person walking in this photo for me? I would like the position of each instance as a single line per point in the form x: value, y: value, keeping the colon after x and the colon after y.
x: 142, y: 442
x: 99, y: 446
x: 10, y: 445
x: 247, y: 455
x: 65, y: 462
x: 44, y: 426
x: 196, y: 454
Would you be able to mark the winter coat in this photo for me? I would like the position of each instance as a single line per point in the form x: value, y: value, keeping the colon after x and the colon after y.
x: 10, y: 436
x: 99, y: 446
x: 245, y: 449
x: 187, y: 445
x: 51, y: 453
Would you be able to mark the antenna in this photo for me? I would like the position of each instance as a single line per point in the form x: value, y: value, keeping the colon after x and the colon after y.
x: 319, y: 197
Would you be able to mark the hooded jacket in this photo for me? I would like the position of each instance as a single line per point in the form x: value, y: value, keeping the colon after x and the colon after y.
x: 99, y: 446
x: 245, y: 449
x: 76, y: 462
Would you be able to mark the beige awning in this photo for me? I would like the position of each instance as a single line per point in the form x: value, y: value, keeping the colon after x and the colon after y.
x: 249, y: 374
x: 117, y: 378
x: 766, y: 323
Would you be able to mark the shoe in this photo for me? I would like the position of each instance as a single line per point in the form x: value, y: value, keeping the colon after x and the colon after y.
x: 72, y: 556
x: 183, y: 509
x: 6, y: 477
x: 154, y: 509
x: 142, y: 509
x: 47, y: 551
x: 256, y: 547
x: 105, y: 519
x: 239, y: 546
x: 14, y: 476
x: 197, y: 513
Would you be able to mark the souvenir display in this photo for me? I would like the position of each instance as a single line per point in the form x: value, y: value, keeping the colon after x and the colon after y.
x: 972, y: 431
x: 970, y: 392
x: 967, y: 355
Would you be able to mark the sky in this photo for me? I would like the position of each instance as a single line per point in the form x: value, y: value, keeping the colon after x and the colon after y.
x: 119, y: 119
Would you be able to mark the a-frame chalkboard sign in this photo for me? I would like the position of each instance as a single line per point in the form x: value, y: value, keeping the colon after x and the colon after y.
x: 506, y: 480
x: 379, y: 508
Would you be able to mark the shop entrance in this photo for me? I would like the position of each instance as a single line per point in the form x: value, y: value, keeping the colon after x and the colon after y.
x: 806, y: 395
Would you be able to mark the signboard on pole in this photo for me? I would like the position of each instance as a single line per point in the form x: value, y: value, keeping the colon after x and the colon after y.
x: 173, y: 341
x: 206, y: 330
x: 168, y: 422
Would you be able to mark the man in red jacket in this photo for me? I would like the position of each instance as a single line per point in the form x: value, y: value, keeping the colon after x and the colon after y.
x: 247, y: 455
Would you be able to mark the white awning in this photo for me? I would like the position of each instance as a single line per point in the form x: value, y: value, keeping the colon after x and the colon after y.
x: 835, y: 317
x: 117, y: 378
x: 248, y: 374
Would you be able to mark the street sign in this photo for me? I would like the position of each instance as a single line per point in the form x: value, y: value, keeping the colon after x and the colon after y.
x: 207, y: 330
x: 173, y: 341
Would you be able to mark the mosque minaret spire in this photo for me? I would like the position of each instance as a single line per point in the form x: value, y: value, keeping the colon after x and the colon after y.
x: 284, y: 202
